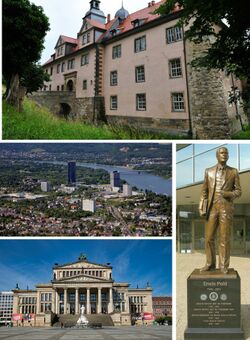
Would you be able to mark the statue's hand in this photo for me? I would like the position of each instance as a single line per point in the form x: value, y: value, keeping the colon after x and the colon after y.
x: 227, y: 194
x: 202, y: 213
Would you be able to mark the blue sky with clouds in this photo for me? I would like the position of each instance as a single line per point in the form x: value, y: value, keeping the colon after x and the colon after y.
x: 65, y: 17
x: 28, y: 262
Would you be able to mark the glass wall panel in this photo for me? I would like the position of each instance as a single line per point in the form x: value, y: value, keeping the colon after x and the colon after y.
x: 244, y: 156
x: 184, y: 153
x: 184, y: 172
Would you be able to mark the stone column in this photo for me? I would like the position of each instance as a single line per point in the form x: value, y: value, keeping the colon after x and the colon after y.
x: 56, y: 302
x: 38, y: 303
x: 110, y: 306
x: 65, y: 301
x: 99, y: 306
x: 77, y: 301
x: 126, y: 302
x: 88, y: 302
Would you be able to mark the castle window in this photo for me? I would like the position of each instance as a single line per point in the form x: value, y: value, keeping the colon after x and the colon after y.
x: 84, y: 84
x: 175, y: 68
x: 88, y: 37
x: 84, y: 39
x: 62, y: 87
x: 85, y: 59
x: 71, y: 64
x: 58, y: 68
x: 113, y: 78
x: 140, y: 74
x: 58, y: 88
x: 113, y: 102
x: 51, y: 70
x: 174, y: 34
x: 140, y: 44
x: 117, y: 51
x: 63, y: 67
x: 141, y: 102
x: 50, y: 87
x: 178, y: 101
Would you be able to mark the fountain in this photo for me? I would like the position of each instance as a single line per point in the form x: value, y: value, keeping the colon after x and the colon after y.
x: 82, y: 322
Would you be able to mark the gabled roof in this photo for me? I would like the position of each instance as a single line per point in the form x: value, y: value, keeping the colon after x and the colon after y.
x: 96, y: 24
x: 69, y: 40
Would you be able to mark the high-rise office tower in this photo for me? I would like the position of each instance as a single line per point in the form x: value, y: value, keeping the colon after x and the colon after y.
x: 71, y: 172
x: 115, y: 180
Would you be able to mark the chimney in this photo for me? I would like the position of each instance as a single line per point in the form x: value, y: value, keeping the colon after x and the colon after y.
x: 149, y: 4
x: 152, y: 3
x: 108, y: 18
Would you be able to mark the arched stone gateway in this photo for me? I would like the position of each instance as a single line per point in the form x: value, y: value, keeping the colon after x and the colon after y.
x: 70, y: 85
x: 65, y: 110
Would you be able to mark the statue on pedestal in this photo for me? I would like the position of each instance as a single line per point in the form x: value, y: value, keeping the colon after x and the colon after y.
x: 82, y: 321
x: 221, y: 186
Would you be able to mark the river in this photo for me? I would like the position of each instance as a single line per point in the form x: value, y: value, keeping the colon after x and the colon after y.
x: 140, y: 179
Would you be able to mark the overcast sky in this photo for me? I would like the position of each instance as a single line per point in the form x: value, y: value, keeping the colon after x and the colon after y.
x: 65, y: 17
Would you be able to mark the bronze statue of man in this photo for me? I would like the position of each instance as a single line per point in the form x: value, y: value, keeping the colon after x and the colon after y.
x: 221, y: 186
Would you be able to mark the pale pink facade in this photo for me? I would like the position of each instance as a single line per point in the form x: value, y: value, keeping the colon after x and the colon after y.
x: 158, y: 84
x: 135, y: 68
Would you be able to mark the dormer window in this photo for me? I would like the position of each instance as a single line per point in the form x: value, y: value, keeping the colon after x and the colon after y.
x: 138, y: 22
x: 60, y: 51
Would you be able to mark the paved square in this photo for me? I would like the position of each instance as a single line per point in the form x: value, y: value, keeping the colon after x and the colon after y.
x: 106, y: 333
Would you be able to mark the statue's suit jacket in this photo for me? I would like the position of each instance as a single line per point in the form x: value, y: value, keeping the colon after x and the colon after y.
x: 230, y: 188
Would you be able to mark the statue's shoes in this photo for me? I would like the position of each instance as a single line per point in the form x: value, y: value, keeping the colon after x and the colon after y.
x: 207, y: 268
x: 224, y: 270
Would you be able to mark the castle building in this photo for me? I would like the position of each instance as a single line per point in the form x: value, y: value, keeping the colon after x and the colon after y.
x: 135, y: 69
x: 77, y: 284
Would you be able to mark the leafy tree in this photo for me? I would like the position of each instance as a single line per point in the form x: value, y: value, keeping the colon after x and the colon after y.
x: 230, y: 49
x: 34, y: 78
x: 24, y: 28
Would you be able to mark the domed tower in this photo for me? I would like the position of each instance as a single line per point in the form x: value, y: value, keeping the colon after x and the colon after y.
x: 95, y: 13
x: 122, y: 13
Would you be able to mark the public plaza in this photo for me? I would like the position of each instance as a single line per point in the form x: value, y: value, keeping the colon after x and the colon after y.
x: 185, y: 264
x: 106, y: 333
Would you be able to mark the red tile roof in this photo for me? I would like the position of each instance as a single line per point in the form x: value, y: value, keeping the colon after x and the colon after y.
x: 146, y: 13
x: 96, y: 24
x: 69, y: 40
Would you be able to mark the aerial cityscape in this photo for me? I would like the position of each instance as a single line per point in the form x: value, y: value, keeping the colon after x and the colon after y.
x: 117, y: 189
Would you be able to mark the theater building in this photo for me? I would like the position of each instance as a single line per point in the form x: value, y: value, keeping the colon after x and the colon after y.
x: 135, y: 69
x: 77, y: 284
x: 192, y: 160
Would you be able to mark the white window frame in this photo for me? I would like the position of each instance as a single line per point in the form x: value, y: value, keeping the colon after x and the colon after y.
x: 174, y: 34
x: 113, y: 102
x: 175, y: 69
x: 141, y: 102
x: 140, y: 74
x: 178, y: 102
x: 140, y: 44
x: 85, y: 59
x: 117, y: 51
x: 113, y: 78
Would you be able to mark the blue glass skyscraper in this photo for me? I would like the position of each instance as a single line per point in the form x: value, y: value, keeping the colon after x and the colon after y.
x: 71, y: 172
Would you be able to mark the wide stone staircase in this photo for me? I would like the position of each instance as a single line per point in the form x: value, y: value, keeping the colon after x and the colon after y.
x: 69, y: 320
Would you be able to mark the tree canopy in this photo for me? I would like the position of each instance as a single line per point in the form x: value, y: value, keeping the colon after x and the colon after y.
x: 24, y: 29
x: 230, y: 50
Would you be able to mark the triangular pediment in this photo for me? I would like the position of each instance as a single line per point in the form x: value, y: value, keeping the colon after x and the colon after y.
x: 82, y: 265
x: 82, y: 278
x: 85, y: 26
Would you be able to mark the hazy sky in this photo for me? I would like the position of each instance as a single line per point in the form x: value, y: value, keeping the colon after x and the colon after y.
x: 65, y: 17
x: 29, y: 262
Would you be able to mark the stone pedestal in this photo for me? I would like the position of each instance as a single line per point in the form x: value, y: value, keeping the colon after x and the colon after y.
x: 213, y: 305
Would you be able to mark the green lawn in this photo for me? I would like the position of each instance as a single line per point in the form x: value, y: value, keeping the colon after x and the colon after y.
x: 35, y: 122
x: 243, y: 134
